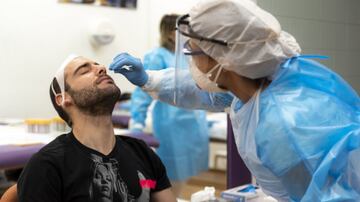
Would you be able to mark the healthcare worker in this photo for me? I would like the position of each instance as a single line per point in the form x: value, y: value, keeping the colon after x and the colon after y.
x: 182, y: 133
x: 296, y: 123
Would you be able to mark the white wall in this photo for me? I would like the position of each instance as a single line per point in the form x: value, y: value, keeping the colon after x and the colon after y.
x: 36, y: 36
x: 157, y: 8
x: 328, y: 27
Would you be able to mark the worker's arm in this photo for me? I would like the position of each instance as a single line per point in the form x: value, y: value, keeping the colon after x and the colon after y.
x: 161, y: 85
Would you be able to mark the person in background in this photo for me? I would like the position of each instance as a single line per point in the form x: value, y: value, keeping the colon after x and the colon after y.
x: 124, y: 102
x: 182, y: 133
x: 120, y: 115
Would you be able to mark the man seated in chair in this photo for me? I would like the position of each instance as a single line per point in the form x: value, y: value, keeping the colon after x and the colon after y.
x: 90, y: 163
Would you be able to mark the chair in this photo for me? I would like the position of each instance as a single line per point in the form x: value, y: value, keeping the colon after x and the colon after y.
x: 10, y: 195
x: 220, y: 154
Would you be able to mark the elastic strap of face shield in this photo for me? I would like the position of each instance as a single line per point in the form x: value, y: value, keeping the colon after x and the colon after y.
x: 246, y: 28
x: 60, y: 77
x: 183, y: 20
x: 239, y: 42
x: 209, y: 74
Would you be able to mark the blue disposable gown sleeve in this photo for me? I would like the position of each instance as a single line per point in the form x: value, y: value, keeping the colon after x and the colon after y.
x: 161, y: 85
x: 308, y: 135
x: 140, y: 100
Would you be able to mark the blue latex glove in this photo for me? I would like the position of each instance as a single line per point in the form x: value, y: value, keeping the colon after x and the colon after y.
x: 130, y: 67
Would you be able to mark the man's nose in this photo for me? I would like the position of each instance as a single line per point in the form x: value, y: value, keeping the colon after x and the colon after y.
x: 101, y: 70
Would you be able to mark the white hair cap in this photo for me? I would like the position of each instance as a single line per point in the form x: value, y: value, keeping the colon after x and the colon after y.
x: 256, y: 44
x: 60, y: 76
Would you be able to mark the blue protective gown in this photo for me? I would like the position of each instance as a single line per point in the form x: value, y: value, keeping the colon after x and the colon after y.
x: 182, y: 133
x: 300, y: 136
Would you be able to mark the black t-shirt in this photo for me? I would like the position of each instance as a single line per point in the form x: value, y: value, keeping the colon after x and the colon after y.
x: 66, y: 170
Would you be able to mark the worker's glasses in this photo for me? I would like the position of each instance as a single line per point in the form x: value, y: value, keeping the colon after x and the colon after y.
x: 187, y: 50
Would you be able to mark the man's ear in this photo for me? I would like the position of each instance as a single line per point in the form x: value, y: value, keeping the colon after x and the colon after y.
x: 59, y: 100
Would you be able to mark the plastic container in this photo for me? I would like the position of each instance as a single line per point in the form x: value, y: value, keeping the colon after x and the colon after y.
x: 59, y: 124
x: 208, y: 195
x: 38, y: 125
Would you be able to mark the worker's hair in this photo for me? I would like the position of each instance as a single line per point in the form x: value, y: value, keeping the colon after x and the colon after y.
x: 167, y: 27
x: 58, y: 108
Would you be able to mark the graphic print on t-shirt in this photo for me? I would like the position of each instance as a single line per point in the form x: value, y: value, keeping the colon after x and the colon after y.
x: 145, y: 189
x: 107, y: 184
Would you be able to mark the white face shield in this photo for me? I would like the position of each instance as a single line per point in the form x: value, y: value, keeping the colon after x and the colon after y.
x: 60, y: 77
x: 192, y: 58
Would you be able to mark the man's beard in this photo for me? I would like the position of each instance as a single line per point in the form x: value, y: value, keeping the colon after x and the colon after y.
x: 95, y: 101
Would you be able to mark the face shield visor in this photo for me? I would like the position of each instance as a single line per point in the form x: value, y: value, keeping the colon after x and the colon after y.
x: 189, y: 57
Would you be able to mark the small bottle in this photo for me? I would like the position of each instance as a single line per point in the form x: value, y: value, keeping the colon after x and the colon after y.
x: 59, y: 124
x: 38, y: 125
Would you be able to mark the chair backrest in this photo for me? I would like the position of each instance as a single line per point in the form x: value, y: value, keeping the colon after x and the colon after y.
x: 10, y: 195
